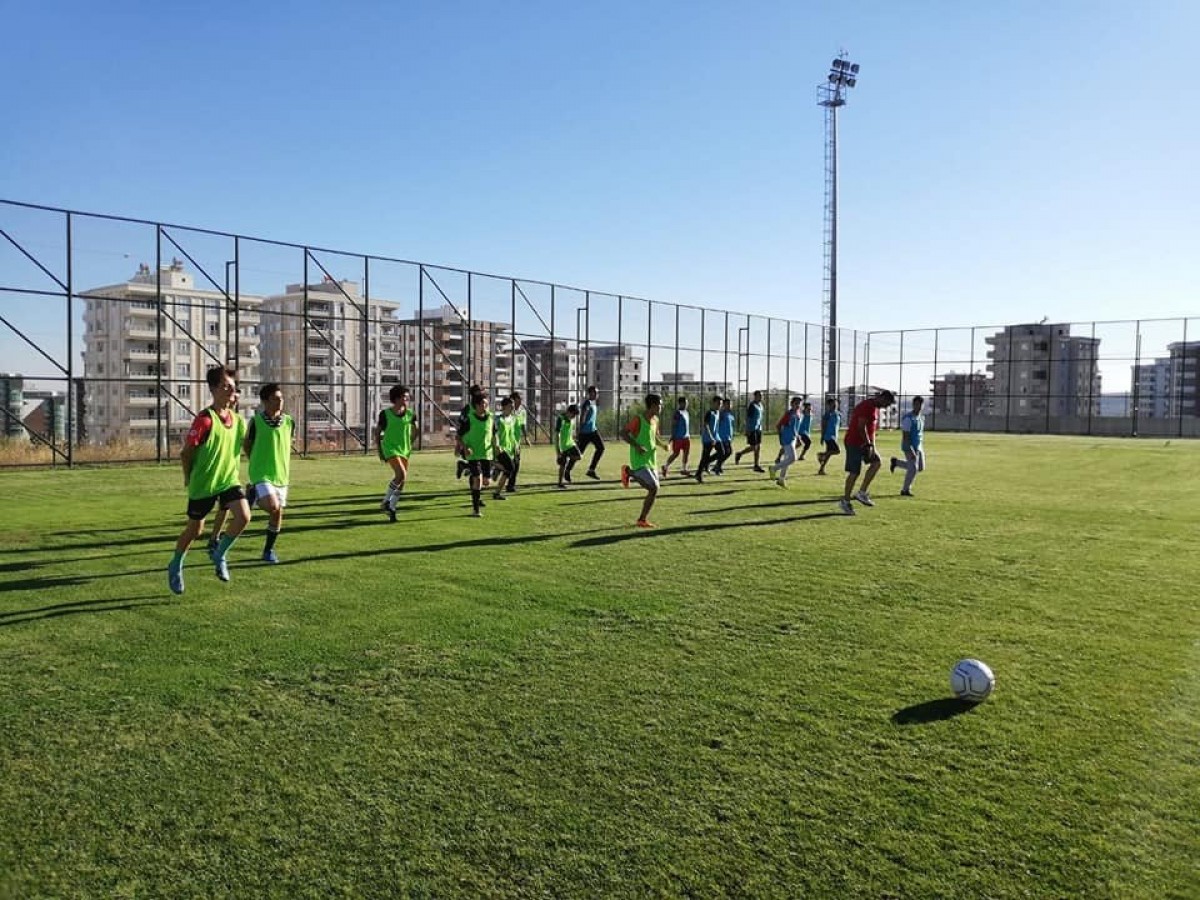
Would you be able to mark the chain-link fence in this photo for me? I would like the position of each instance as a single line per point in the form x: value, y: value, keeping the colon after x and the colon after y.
x: 109, y: 324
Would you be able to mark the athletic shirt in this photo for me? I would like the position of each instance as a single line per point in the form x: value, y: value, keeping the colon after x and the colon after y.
x: 215, y: 463
x: 788, y: 428
x: 830, y: 422
x: 643, y: 429
x: 754, y: 416
x: 912, y: 431
x: 271, y: 449
x: 478, y: 439
x: 506, y: 433
x: 681, y: 426
x: 565, y: 441
x: 866, y: 413
x: 397, y: 433
x: 519, y: 415
x: 725, y: 425
x: 710, y: 427
x: 587, y: 417
x: 805, y: 423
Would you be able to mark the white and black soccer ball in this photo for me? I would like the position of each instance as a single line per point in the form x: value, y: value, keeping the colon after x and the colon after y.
x: 972, y: 680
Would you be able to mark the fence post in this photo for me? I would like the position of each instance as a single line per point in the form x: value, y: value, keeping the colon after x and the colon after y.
x: 620, y: 327
x: 1008, y: 370
x: 421, y: 349
x: 971, y: 385
x: 1093, y: 366
x: 366, y: 356
x: 1049, y: 380
x: 71, y: 357
x: 1183, y: 361
x: 937, y: 333
x: 304, y: 346
x: 1137, y: 364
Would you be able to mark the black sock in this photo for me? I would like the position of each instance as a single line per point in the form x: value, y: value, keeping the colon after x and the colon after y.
x: 475, y: 500
x: 272, y: 536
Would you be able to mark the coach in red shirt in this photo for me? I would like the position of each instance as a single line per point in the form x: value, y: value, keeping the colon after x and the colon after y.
x: 860, y: 448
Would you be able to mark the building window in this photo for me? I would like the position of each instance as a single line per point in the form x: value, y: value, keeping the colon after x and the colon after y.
x: 183, y: 370
x: 182, y: 347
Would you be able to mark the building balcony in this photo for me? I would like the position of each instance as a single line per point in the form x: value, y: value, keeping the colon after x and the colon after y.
x: 141, y: 401
x: 141, y: 355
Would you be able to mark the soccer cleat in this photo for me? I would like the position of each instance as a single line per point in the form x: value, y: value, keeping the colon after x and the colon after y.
x: 846, y: 508
x: 175, y: 578
x: 383, y: 504
x: 509, y: 489
x: 222, y: 567
x: 685, y: 473
x: 892, y: 466
x: 664, y: 471
x: 391, y: 513
x: 642, y: 523
x: 864, y: 498
x: 497, y: 495
x: 906, y: 494
x: 782, y: 482
x: 270, y: 557
x: 461, y: 470
x: 591, y: 473
x: 625, y: 476
x: 562, y: 486
x: 699, y: 477
x: 212, y: 550
x: 568, y: 479
x: 759, y: 469
x: 477, y: 514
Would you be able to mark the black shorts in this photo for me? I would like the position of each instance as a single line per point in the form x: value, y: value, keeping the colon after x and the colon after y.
x: 754, y: 438
x: 480, y: 468
x: 198, y: 509
x: 832, y: 448
x: 591, y: 439
x: 569, y: 454
x: 504, y: 463
x: 806, y: 441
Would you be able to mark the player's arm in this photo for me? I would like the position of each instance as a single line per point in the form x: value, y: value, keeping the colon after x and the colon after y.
x: 631, y: 431
x: 196, y: 436
x: 380, y: 427
x: 248, y: 443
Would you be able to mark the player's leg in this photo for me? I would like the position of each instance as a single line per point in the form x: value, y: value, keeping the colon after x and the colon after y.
x: 598, y: 443
x: 648, y: 479
x: 239, y: 510
x: 214, y: 536
x: 573, y: 456
x: 511, y: 486
x: 807, y: 442
x: 504, y: 472
x: 197, y: 510
x: 687, y: 452
x: 271, y: 500
x: 915, y: 464
x: 475, y: 467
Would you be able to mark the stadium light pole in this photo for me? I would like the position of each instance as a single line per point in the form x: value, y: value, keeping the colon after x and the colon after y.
x: 831, y: 94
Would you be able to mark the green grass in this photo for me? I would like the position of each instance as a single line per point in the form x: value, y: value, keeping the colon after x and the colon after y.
x: 547, y: 702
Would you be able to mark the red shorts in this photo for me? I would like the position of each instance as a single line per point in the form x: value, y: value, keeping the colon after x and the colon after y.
x: 681, y: 445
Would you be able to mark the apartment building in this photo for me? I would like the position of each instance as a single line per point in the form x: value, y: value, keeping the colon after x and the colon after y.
x: 617, y: 373
x: 1166, y: 387
x: 1042, y: 370
x: 961, y: 394
x: 144, y: 364
x: 549, y: 375
x: 334, y: 355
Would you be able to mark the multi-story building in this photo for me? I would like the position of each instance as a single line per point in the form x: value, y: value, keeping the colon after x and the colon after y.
x: 617, y: 374
x: 686, y: 384
x: 1041, y: 370
x: 145, y: 364
x: 1166, y: 387
x: 334, y: 356
x: 458, y: 352
x: 549, y: 372
x: 961, y: 394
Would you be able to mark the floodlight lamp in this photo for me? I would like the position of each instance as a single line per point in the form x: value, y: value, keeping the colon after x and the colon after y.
x: 854, y: 69
x: 838, y: 63
x: 833, y: 77
x: 850, y: 82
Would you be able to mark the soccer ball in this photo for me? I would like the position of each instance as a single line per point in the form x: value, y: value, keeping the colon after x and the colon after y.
x: 972, y: 680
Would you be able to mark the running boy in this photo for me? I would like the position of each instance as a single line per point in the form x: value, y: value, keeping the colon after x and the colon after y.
x: 210, y: 458
x: 564, y: 443
x: 754, y: 424
x: 708, y: 437
x: 681, y: 437
x: 519, y: 413
x: 789, y: 427
x: 477, y: 437
x: 802, y: 432
x: 725, y: 427
x: 589, y: 436
x: 831, y: 421
x: 860, y: 448
x: 268, y: 446
x: 394, y: 439
x: 912, y: 442
x: 507, y: 446
x: 642, y: 436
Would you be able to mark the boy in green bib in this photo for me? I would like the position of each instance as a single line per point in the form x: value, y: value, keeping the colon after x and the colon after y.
x: 507, y: 445
x: 394, y: 433
x: 268, y: 446
x: 476, y: 435
x: 642, y: 436
x: 211, y: 456
x: 564, y: 443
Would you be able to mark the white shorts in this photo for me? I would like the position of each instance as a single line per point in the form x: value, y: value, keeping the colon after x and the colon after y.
x: 266, y: 489
x: 647, y: 476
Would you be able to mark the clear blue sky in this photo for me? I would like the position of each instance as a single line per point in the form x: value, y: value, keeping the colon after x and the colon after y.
x: 1000, y: 162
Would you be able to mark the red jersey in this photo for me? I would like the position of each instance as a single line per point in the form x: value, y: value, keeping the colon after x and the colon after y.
x: 201, y: 425
x: 865, y: 413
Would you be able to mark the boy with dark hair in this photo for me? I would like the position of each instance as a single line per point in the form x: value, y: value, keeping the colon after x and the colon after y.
x: 725, y: 427
x: 473, y: 394
x: 754, y: 431
x: 708, y: 437
x: 268, y: 446
x: 477, y: 437
x: 681, y: 437
x: 642, y: 436
x: 210, y: 458
x: 519, y: 414
x: 804, y: 428
x: 564, y: 444
x: 589, y: 435
x: 831, y: 421
x: 394, y: 434
x: 860, y: 448
x: 912, y: 443
x: 506, y: 446
x: 788, y: 426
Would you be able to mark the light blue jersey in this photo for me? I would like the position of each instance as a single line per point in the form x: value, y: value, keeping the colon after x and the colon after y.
x: 708, y: 434
x: 912, y: 431
x: 805, y: 424
x: 789, y: 429
x: 681, y: 426
x: 754, y: 416
x: 830, y: 423
x: 725, y: 425
x: 587, y: 417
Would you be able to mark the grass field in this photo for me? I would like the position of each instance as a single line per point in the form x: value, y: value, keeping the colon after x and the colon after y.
x: 748, y: 701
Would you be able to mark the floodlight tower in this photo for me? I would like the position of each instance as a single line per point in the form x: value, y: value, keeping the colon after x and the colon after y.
x: 831, y: 94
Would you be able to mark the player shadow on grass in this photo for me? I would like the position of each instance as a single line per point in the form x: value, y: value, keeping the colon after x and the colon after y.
x: 932, y: 711
x: 633, y: 534
x: 75, y: 607
x: 783, y: 503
